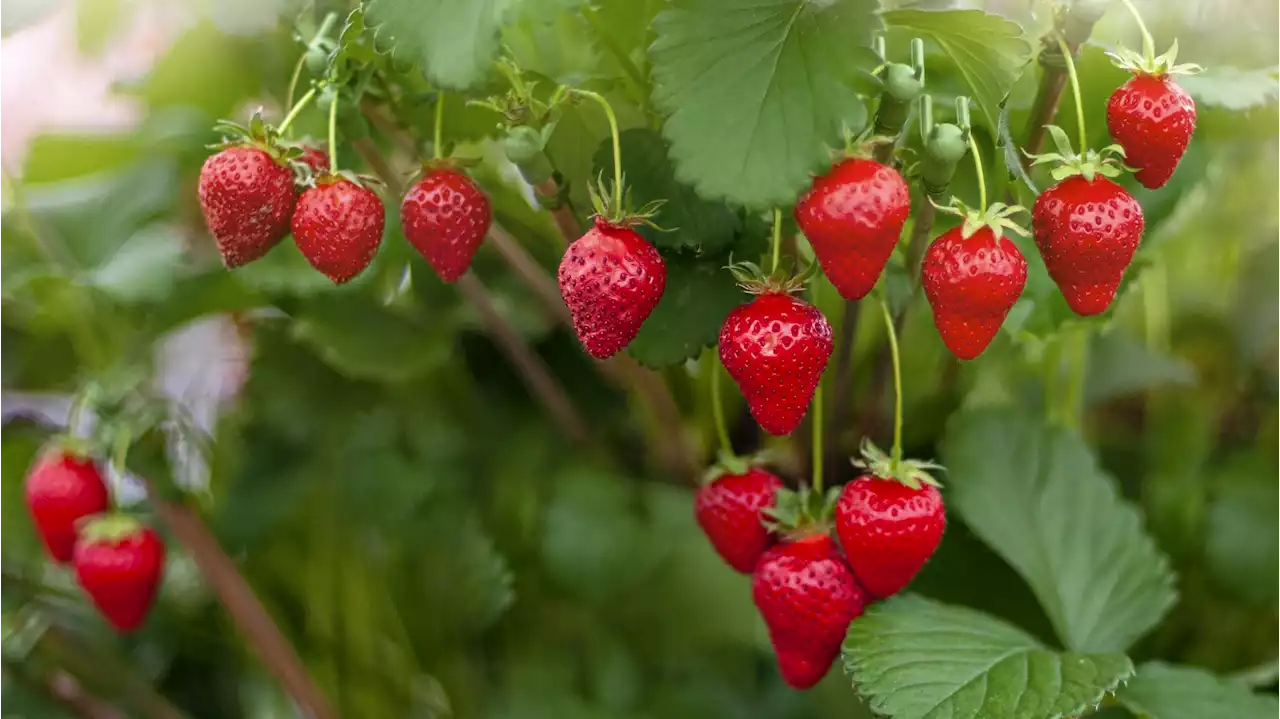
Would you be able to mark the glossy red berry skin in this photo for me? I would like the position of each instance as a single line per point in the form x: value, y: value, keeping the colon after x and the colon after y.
x: 338, y: 227
x: 61, y: 490
x: 1152, y: 118
x: 1087, y: 232
x: 971, y: 284
x: 445, y: 217
x: 807, y: 597
x: 121, y: 575
x: 776, y: 348
x: 728, y: 510
x: 247, y: 198
x: 316, y: 159
x: 611, y: 278
x: 853, y: 216
x: 888, y: 531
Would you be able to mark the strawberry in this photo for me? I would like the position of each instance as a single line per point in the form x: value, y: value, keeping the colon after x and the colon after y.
x: 972, y: 276
x: 729, y: 511
x: 807, y: 597
x: 338, y: 226
x: 1151, y: 116
x: 315, y: 158
x: 247, y: 196
x: 853, y: 216
x: 63, y: 488
x: 889, y: 521
x: 1087, y: 231
x: 775, y: 348
x: 118, y: 563
x: 611, y: 279
x: 445, y: 217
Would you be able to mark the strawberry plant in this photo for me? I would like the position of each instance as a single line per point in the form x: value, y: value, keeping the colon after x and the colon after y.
x: 534, y: 359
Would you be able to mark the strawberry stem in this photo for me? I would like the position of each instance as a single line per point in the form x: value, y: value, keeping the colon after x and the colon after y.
x: 977, y: 166
x: 777, y: 239
x: 438, y: 133
x: 816, y: 412
x: 293, y: 113
x: 896, y: 457
x: 333, y: 133
x: 1148, y: 44
x: 717, y: 409
x: 617, y: 142
x: 325, y: 27
x: 1075, y: 92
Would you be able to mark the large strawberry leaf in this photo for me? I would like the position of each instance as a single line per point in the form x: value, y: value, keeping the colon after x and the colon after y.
x: 452, y: 42
x: 756, y: 89
x: 1036, y: 496
x: 915, y: 658
x: 1165, y: 691
x: 1232, y: 88
x: 687, y: 219
x: 699, y: 294
x: 988, y: 50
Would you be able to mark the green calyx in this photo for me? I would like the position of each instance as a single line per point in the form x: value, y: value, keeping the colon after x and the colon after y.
x: 1090, y: 164
x: 1146, y: 63
x: 730, y: 463
x: 801, y: 512
x: 258, y: 134
x: 622, y: 215
x: 109, y: 528
x: 520, y: 105
x: 910, y: 472
x: 752, y: 279
x: 997, y: 217
x: 69, y: 445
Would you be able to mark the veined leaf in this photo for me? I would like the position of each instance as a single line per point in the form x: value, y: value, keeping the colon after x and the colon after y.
x: 453, y: 42
x: 1166, y: 691
x: 699, y: 294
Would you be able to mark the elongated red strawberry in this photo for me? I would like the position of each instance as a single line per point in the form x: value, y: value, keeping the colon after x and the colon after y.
x: 890, y: 521
x: 972, y: 276
x: 728, y: 509
x: 611, y: 278
x: 1087, y: 232
x: 807, y: 597
x: 118, y: 563
x: 445, y: 217
x: 1151, y: 116
x: 775, y: 348
x: 62, y: 489
x: 247, y: 197
x: 338, y: 227
x: 853, y: 216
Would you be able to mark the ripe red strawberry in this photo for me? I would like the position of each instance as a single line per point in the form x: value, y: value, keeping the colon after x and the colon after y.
x: 315, y: 158
x: 807, y: 597
x: 729, y: 511
x: 971, y: 284
x: 338, y: 226
x: 1152, y: 118
x: 445, y: 217
x: 1087, y: 232
x: 853, y: 216
x: 611, y: 279
x: 118, y: 563
x: 247, y: 197
x: 62, y: 489
x: 776, y: 348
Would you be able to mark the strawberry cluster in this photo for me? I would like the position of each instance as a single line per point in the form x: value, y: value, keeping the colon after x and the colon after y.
x: 117, y: 560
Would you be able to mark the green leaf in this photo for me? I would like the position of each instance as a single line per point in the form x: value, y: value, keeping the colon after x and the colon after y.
x: 915, y: 658
x: 755, y: 90
x: 358, y: 337
x: 283, y: 271
x: 988, y: 50
x: 453, y: 42
x: 1242, y: 510
x: 688, y: 220
x: 699, y: 294
x: 1232, y: 88
x: 1166, y: 691
x: 144, y: 267
x: 1120, y: 364
x: 1036, y: 496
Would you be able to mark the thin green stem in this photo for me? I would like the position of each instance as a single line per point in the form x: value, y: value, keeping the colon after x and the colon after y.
x: 1075, y: 92
x: 296, y: 109
x: 438, y: 136
x: 1148, y: 44
x: 717, y: 410
x: 1075, y: 379
x: 982, y: 177
x: 617, y: 143
x: 333, y: 133
x: 897, y: 381
x: 325, y: 26
x: 293, y: 81
x: 777, y: 239
x: 817, y: 412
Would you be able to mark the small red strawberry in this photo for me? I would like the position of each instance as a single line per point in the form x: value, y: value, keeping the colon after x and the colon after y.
x: 775, y: 348
x: 972, y: 276
x: 1151, y: 116
x: 728, y: 509
x: 853, y: 216
x: 63, y: 488
x: 890, y: 521
x: 315, y: 158
x: 247, y: 196
x: 807, y: 597
x: 611, y: 279
x: 338, y: 226
x: 446, y: 216
x: 118, y: 564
